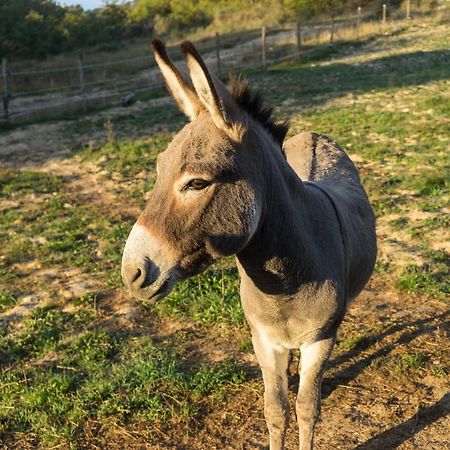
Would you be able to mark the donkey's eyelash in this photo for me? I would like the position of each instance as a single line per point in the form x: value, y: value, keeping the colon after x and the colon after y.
x: 196, y: 184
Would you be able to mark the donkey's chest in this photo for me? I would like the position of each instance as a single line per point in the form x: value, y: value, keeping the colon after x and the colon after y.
x: 291, y: 320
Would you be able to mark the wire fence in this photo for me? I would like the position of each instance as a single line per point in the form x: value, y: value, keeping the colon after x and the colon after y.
x: 27, y: 93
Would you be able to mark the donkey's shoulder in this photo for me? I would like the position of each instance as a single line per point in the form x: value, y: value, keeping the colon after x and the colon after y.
x: 316, y: 157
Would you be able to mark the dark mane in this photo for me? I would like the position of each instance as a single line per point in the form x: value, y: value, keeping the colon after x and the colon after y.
x: 253, y: 104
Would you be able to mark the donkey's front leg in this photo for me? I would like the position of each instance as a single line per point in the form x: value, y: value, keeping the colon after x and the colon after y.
x: 273, y: 360
x: 313, y: 358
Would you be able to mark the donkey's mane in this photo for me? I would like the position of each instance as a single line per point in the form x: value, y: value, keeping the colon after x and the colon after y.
x: 253, y: 104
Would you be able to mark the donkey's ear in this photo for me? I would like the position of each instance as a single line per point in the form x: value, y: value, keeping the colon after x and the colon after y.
x: 214, y: 96
x: 178, y: 85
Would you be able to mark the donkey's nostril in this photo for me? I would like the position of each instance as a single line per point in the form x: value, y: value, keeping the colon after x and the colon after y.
x: 133, y: 277
x: 136, y: 276
x: 139, y: 275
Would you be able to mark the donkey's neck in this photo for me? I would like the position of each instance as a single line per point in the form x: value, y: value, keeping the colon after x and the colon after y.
x: 282, y: 254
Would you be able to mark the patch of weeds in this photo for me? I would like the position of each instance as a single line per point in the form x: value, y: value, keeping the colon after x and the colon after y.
x: 410, y: 362
x: 386, y: 205
x: 20, y: 250
x: 432, y: 280
x: 207, y: 380
x: 40, y: 333
x: 9, y: 274
x: 438, y: 372
x: 211, y: 297
x: 420, y: 228
x: 433, y: 185
x: 352, y: 342
x: 7, y: 300
x: 87, y: 300
x: 399, y: 224
x: 245, y: 345
x: 382, y: 266
x: 10, y: 217
x: 18, y: 182
x: 89, y: 350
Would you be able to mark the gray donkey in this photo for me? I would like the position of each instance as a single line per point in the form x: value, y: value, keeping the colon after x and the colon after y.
x: 295, y: 215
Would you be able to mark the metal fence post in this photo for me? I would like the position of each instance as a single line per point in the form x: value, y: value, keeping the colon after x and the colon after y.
x: 5, y: 89
x: 81, y: 70
x: 263, y: 47
x: 384, y: 14
x: 218, y: 53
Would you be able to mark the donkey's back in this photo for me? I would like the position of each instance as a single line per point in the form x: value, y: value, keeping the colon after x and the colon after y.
x: 320, y: 161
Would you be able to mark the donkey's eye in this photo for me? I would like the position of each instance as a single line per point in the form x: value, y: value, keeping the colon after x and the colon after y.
x: 197, y: 184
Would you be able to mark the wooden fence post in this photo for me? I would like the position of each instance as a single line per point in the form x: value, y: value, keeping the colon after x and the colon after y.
x: 358, y: 20
x: 218, y: 53
x: 332, y: 29
x: 408, y: 9
x: 263, y: 47
x: 298, y: 35
x: 81, y: 70
x: 384, y: 14
x: 5, y: 90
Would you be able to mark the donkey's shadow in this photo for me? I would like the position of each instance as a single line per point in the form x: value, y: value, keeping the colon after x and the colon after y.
x: 395, y: 436
x: 425, y: 416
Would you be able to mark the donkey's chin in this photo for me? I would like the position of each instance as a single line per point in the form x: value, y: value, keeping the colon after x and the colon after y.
x: 156, y: 291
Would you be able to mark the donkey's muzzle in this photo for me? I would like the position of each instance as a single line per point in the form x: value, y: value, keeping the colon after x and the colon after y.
x: 147, y: 272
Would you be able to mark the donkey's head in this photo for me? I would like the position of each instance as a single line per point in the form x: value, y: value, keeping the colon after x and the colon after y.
x: 207, y: 199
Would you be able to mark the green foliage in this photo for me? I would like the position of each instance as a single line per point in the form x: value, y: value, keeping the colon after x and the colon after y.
x: 37, y: 28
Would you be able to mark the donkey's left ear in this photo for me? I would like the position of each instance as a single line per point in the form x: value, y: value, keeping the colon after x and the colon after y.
x: 214, y: 96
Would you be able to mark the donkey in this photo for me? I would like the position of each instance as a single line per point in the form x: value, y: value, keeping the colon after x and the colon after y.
x: 295, y: 216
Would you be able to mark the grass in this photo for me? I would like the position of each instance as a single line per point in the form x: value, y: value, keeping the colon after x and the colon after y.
x: 67, y: 374
x: 211, y: 297
x: 97, y: 376
x: 14, y: 183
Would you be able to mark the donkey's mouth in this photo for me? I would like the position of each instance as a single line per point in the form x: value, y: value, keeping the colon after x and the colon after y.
x: 162, y: 290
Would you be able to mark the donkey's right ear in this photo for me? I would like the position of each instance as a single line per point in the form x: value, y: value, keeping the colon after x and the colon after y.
x: 178, y: 85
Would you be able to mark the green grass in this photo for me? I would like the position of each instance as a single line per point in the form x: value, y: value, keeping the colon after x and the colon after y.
x: 7, y: 300
x: 14, y: 183
x: 128, y: 157
x: 430, y: 280
x: 212, y: 297
x: 98, y: 376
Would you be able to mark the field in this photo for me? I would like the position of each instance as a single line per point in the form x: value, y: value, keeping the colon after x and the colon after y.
x: 85, y: 366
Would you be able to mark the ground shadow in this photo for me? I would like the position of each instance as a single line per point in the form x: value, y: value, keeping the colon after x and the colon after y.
x: 395, y: 436
x: 351, y: 372
x: 316, y: 84
x: 344, y: 376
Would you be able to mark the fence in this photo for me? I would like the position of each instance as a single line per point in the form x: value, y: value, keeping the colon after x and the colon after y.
x: 91, y: 79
